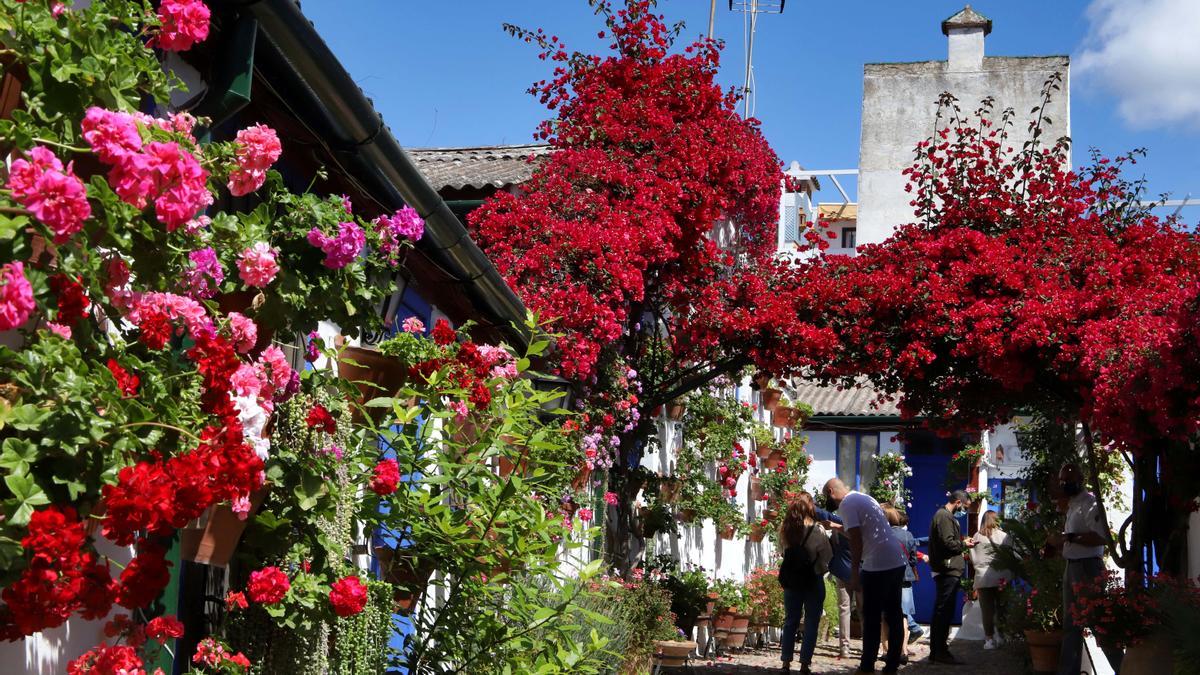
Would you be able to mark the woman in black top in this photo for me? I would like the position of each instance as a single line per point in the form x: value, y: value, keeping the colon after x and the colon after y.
x: 806, y: 554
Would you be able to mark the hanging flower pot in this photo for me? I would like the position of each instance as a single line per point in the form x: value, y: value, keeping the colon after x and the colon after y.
x: 785, y: 417
x: 762, y: 380
x: 728, y: 531
x: 686, y: 515
x: 375, y: 374
x: 756, y: 489
x: 757, y: 532
x: 676, y: 409
x: 773, y: 459
x: 763, y: 449
x: 405, y: 571
x: 770, y: 398
x: 212, y: 538
x: 668, y: 490
x: 505, y: 466
x: 582, y: 478
x: 770, y: 514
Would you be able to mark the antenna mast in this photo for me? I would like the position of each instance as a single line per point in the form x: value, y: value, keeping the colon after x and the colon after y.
x: 752, y: 8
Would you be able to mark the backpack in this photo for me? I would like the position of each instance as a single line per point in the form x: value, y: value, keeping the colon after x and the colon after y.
x: 796, y: 571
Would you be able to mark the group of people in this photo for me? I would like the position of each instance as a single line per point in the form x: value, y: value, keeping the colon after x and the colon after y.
x: 867, y: 549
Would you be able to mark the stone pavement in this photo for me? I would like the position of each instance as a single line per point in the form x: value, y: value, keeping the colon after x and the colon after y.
x: 1007, y: 660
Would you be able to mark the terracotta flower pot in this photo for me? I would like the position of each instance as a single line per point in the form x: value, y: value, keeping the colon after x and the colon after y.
x: 675, y: 410
x: 582, y: 478
x: 375, y: 374
x: 672, y: 653
x: 1044, y: 649
x: 505, y: 466
x: 712, y: 604
x: 770, y: 398
x: 763, y: 450
x: 773, y: 459
x: 722, y: 624
x: 728, y: 531
x: 762, y: 380
x: 757, y: 532
x: 1152, y: 656
x: 785, y: 417
x: 408, y: 573
x: 213, y: 538
x: 770, y: 514
x: 668, y: 490
x: 737, y: 632
x: 756, y: 489
x: 686, y: 515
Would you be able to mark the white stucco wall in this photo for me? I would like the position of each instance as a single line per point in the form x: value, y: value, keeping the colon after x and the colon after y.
x: 899, y: 107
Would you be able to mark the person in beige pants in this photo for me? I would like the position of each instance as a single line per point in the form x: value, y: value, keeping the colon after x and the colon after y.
x: 844, y: 593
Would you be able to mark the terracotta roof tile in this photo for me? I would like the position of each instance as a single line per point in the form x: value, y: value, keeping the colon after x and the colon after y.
x: 496, y: 166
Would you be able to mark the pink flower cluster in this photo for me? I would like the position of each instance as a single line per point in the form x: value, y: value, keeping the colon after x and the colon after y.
x: 53, y: 195
x: 268, y: 379
x: 184, y: 23
x: 257, y: 149
x: 162, y: 171
x: 342, y: 249
x: 16, y: 296
x: 257, y: 266
x: 205, y: 274
x: 174, y: 307
x: 404, y: 224
x: 243, y: 332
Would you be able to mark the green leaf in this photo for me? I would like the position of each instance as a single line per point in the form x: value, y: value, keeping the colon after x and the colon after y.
x: 27, y: 494
x: 16, y: 454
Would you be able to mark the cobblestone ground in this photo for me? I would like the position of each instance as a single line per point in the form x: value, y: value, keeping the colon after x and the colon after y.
x: 1007, y: 660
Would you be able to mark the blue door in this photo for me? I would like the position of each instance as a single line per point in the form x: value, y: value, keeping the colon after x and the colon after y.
x: 926, y: 484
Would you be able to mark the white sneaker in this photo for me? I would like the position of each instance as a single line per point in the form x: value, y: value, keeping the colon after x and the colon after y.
x: 989, y: 644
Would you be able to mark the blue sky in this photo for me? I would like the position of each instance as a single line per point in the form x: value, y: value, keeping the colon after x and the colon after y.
x: 444, y: 73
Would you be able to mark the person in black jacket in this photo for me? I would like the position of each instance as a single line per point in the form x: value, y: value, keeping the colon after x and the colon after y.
x: 806, y: 555
x: 946, y: 547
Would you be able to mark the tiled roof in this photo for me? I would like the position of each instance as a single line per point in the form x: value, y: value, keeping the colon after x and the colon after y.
x: 838, y: 211
x: 858, y: 401
x: 967, y: 18
x: 478, y: 167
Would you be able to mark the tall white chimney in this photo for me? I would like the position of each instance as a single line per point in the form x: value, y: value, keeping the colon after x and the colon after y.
x: 965, y: 32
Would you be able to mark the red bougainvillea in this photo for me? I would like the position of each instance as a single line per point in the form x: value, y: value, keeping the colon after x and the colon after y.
x: 658, y: 205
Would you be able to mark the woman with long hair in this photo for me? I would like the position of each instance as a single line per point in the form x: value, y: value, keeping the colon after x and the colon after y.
x: 987, y: 580
x: 806, y: 554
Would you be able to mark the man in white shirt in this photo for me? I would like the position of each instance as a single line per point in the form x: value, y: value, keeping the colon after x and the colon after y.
x: 1083, y: 539
x: 877, y: 563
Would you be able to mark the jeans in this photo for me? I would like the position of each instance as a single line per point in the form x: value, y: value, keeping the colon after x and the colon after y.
x: 909, y: 607
x: 987, y: 608
x: 881, y: 599
x: 944, y: 603
x: 1069, y: 662
x: 808, y: 602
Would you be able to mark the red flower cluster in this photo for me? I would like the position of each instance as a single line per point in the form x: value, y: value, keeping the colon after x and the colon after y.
x: 1023, y: 285
x: 164, y: 628
x: 73, y: 303
x: 386, y: 477
x: 617, y: 224
x: 213, y: 654
x: 106, y: 660
x: 320, y: 419
x: 127, y: 382
x: 60, y: 579
x: 268, y: 585
x: 348, y: 596
x: 443, y: 333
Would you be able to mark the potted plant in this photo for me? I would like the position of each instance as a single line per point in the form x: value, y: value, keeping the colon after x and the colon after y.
x: 689, y: 589
x: 766, y: 597
x: 759, y: 529
x: 1034, y: 597
x: 676, y: 410
x: 656, y: 519
x: 764, y: 440
x: 770, y: 398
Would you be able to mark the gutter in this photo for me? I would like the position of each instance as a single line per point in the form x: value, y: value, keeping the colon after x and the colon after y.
x: 320, y: 92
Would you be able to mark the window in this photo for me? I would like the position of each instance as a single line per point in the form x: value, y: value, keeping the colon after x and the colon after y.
x: 855, y: 458
x: 849, y: 237
x: 1014, y: 495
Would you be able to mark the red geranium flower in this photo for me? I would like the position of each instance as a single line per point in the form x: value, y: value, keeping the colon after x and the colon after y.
x: 319, y: 418
x: 164, y: 628
x: 443, y: 334
x: 127, y: 382
x: 348, y: 596
x: 386, y: 478
x: 268, y: 585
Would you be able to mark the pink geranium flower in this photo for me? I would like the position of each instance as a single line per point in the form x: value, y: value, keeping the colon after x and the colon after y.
x: 53, y: 194
x: 341, y: 249
x: 184, y: 23
x: 257, y: 266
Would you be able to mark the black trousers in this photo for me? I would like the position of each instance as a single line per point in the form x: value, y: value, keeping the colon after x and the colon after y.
x: 881, y: 599
x: 943, y: 613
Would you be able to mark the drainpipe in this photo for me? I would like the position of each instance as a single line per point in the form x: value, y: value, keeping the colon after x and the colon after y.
x: 316, y: 87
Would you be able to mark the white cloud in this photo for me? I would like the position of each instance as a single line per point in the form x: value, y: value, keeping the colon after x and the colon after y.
x: 1147, y: 54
